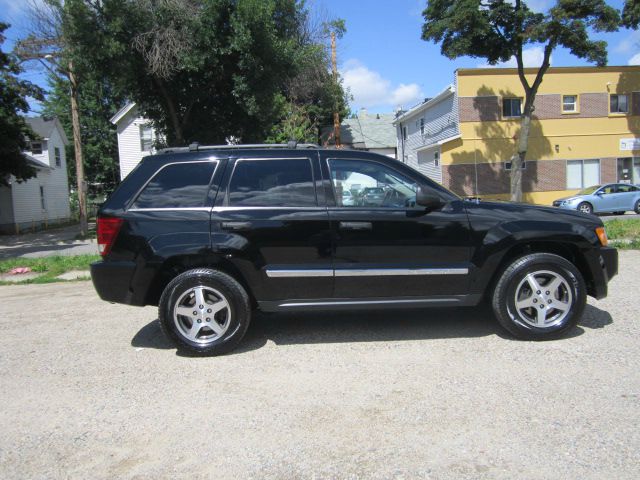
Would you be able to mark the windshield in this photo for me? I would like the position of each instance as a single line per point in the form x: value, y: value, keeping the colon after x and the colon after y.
x: 589, y: 190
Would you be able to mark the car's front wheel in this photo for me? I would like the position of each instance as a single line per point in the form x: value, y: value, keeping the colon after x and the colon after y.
x: 204, y: 311
x: 636, y: 208
x: 539, y: 296
x: 585, y: 207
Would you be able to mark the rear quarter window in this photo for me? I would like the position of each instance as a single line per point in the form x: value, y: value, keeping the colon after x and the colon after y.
x: 272, y: 183
x: 179, y: 185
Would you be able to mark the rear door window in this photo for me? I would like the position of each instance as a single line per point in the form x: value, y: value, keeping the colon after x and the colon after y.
x: 178, y: 185
x: 272, y: 183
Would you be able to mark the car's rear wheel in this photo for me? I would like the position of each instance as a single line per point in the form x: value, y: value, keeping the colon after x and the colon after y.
x: 585, y: 207
x: 636, y: 208
x: 204, y: 311
x: 539, y: 296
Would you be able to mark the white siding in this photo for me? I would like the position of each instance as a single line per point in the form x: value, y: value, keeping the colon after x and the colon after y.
x: 26, y: 195
x: 129, y: 147
x: 429, y: 165
x: 440, y: 122
x: 389, y: 152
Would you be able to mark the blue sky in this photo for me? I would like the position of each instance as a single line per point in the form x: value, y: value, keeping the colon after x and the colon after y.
x: 385, y: 63
x: 382, y: 59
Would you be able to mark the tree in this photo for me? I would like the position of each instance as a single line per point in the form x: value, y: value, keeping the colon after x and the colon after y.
x: 97, y: 104
x: 200, y: 70
x: 49, y: 44
x: 631, y: 14
x: 498, y: 30
x: 14, y: 131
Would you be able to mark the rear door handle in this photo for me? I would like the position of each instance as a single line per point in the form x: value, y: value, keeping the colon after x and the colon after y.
x: 355, y: 225
x: 235, y: 225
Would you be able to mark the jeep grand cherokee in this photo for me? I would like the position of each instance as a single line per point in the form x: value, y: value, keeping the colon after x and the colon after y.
x: 209, y: 234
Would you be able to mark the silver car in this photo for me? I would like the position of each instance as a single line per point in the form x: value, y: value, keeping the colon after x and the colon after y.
x: 610, y: 198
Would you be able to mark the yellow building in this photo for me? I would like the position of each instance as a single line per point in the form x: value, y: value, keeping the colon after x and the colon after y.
x: 585, y: 131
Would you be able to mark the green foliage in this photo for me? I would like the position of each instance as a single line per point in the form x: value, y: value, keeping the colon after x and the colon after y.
x: 201, y: 70
x: 631, y: 14
x: 13, y: 129
x: 496, y: 30
x: 98, y: 102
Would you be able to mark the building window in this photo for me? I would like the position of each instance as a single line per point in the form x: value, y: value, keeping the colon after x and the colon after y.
x: 404, y: 133
x: 422, y: 126
x: 436, y: 159
x: 43, y: 205
x: 58, y: 156
x: 582, y: 173
x: 629, y: 170
x: 569, y: 103
x: 619, y: 103
x: 36, y: 148
x: 146, y: 138
x: 507, y: 165
x: 511, y: 107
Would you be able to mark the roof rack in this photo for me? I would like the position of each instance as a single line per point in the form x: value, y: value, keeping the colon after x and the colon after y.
x: 195, y: 147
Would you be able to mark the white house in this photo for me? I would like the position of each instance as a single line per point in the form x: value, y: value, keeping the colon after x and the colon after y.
x: 44, y: 199
x: 423, y: 129
x: 135, y: 137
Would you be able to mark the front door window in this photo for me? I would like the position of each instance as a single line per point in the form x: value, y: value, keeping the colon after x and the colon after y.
x: 629, y: 170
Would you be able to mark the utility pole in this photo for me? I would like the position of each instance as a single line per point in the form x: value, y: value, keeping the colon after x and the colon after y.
x: 77, y: 146
x: 334, y: 69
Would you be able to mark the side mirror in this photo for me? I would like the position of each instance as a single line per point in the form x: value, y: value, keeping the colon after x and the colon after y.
x: 426, y: 199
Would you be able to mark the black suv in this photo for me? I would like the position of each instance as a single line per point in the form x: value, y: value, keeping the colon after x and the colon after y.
x: 210, y: 233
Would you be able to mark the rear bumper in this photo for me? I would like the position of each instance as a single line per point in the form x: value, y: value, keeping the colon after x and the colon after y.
x: 605, y: 268
x: 112, y: 281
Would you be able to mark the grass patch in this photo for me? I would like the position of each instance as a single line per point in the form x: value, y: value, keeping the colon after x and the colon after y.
x: 623, y: 229
x: 49, y: 267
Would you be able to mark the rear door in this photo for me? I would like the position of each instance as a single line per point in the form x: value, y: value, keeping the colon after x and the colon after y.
x: 272, y: 224
x: 394, y: 249
x: 626, y: 197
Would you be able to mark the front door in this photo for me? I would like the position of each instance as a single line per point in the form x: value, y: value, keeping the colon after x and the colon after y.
x: 393, y: 248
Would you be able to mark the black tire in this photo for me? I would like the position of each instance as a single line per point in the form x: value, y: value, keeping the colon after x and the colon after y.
x: 518, y: 322
x: 585, y: 207
x: 636, y: 208
x: 226, y: 289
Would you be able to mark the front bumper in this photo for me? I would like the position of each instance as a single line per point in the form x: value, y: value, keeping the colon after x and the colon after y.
x: 605, y: 269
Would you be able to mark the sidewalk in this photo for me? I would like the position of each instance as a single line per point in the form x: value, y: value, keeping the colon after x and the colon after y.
x: 59, y: 241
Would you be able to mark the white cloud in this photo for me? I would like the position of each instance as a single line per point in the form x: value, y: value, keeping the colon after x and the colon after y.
x: 635, y: 60
x: 370, y: 89
x: 531, y: 57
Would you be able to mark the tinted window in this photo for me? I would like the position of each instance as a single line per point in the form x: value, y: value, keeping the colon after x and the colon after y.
x: 371, y: 184
x: 272, y: 183
x: 626, y: 188
x: 182, y: 185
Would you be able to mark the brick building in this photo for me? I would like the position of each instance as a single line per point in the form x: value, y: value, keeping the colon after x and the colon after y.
x: 585, y: 131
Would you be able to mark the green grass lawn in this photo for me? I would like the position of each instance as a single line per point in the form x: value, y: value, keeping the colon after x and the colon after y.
x: 624, y: 234
x: 50, y: 267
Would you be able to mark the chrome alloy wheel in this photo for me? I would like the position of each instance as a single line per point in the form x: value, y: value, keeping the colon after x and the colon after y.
x: 202, y: 314
x: 584, y: 207
x: 543, y: 299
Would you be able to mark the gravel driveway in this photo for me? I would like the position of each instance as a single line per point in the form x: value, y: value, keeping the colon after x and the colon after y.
x: 92, y: 390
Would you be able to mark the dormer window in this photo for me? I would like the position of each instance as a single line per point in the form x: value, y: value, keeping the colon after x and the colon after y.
x: 146, y: 138
x: 36, y: 148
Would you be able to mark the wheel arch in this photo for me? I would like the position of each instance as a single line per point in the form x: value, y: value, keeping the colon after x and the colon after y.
x: 566, y: 250
x: 174, y: 266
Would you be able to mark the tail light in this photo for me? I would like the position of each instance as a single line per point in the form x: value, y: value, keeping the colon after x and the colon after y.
x: 107, y: 228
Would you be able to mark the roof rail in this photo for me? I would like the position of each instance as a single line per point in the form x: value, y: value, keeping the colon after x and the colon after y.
x: 195, y: 146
